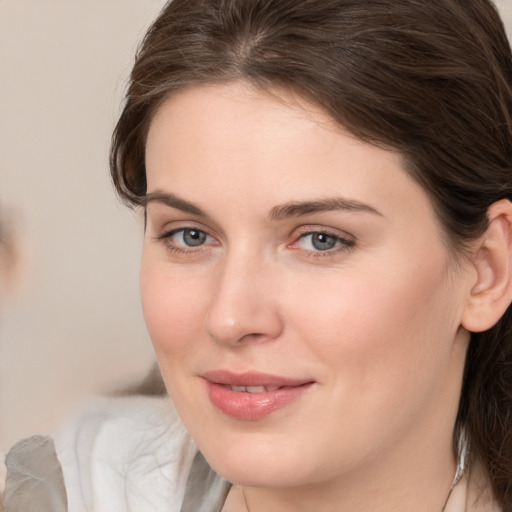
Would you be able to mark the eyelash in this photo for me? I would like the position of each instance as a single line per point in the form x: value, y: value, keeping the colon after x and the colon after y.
x: 342, y: 244
x: 182, y: 249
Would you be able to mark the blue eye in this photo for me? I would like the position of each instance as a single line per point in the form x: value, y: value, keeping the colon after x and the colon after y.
x: 185, y: 238
x: 192, y: 237
x: 188, y: 237
x: 322, y: 242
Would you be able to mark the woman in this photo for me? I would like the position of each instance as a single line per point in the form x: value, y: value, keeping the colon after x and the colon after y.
x: 326, y: 268
x: 326, y: 272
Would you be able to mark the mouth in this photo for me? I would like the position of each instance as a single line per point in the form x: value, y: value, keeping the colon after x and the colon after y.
x: 253, y: 389
x: 253, y: 382
x: 253, y: 396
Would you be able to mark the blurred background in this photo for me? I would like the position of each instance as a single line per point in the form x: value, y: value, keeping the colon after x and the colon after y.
x: 70, y: 316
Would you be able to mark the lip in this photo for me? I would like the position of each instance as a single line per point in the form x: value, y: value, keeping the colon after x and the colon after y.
x: 248, y: 406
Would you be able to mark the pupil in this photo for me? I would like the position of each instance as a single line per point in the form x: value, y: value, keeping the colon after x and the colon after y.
x: 323, y: 242
x: 193, y: 238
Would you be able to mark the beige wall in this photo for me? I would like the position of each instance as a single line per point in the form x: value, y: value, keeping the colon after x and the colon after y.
x: 505, y: 7
x: 75, y: 326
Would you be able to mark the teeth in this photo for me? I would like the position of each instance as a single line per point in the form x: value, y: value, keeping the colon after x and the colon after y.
x: 253, y: 389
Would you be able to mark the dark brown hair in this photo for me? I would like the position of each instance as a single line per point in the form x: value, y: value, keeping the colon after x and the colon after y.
x: 431, y: 79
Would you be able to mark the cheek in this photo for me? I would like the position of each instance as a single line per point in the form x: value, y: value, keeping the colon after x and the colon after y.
x: 388, y: 324
x: 173, y: 307
x: 382, y: 345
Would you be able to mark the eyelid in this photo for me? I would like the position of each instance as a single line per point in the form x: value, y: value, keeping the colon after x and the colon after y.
x: 173, y: 232
x: 309, y: 229
x: 166, y: 229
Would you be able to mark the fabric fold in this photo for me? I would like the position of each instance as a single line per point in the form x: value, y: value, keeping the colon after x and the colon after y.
x: 34, y: 482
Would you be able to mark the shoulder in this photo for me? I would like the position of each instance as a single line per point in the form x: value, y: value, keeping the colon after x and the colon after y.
x: 129, y: 453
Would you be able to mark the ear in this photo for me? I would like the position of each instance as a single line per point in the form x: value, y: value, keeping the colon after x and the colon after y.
x: 491, y: 293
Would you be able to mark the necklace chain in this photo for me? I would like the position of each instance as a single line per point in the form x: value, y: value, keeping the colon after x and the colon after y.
x: 245, y: 500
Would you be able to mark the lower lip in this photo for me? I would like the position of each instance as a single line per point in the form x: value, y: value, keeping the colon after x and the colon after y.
x: 253, y: 406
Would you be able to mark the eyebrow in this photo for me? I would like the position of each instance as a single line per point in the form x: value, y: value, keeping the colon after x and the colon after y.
x: 285, y: 211
x: 302, y: 208
x: 173, y: 201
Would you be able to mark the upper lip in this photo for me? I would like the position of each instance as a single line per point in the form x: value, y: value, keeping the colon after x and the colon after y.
x: 229, y: 378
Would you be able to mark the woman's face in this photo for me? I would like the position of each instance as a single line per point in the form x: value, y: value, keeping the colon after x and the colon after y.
x: 301, y: 299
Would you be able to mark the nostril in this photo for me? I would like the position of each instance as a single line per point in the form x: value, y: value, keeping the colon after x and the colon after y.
x: 252, y: 336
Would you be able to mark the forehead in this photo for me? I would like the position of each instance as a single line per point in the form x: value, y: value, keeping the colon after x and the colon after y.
x: 232, y: 141
x: 237, y: 111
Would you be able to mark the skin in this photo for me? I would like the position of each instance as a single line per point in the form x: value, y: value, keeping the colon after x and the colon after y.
x: 374, y: 321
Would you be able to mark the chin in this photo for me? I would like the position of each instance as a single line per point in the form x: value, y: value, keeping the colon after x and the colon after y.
x: 263, y: 475
x: 258, y: 463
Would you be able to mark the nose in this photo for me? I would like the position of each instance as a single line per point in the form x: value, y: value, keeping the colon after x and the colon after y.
x: 243, y: 307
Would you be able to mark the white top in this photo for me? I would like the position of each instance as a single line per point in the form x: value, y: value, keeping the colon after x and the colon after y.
x: 130, y: 454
